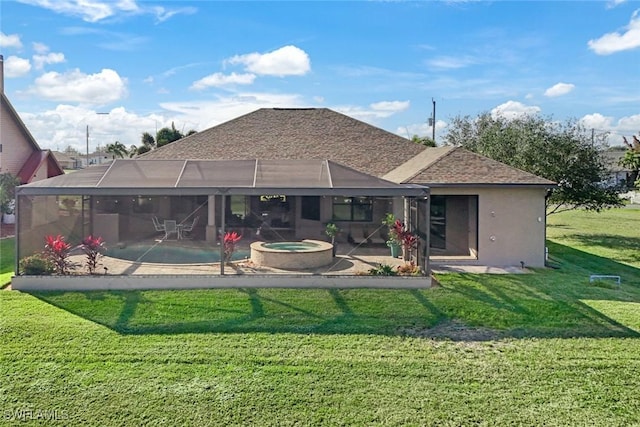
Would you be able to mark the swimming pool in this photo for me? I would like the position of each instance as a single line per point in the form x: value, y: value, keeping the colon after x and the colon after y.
x: 165, y: 254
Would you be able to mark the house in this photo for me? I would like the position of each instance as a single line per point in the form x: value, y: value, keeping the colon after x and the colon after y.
x: 617, y: 175
x: 66, y: 160
x: 20, y: 154
x: 281, y: 176
x: 482, y: 212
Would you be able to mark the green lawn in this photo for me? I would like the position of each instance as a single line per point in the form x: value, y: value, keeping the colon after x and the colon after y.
x: 7, y: 256
x: 546, y: 348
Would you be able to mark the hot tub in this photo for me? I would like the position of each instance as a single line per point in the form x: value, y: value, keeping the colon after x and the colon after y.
x: 292, y: 255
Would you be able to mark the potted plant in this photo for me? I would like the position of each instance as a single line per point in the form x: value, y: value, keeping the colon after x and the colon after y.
x: 394, y: 239
x: 8, y: 183
x: 399, y: 237
x: 332, y: 230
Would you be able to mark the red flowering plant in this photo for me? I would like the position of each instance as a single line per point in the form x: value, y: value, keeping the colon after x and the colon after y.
x: 57, y: 251
x: 93, y: 247
x: 403, y: 237
x: 230, y: 240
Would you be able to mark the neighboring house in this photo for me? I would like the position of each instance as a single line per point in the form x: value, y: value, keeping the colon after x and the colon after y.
x: 482, y: 211
x: 67, y: 161
x: 96, y: 158
x: 20, y: 155
x: 618, y: 176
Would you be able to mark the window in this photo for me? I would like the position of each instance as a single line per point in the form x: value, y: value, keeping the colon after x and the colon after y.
x: 353, y: 209
x: 310, y: 208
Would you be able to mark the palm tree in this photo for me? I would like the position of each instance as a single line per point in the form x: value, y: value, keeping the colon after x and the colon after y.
x: 117, y: 149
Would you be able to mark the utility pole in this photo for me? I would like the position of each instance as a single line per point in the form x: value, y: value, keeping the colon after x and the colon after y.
x: 98, y: 113
x: 87, y: 165
x: 433, y: 121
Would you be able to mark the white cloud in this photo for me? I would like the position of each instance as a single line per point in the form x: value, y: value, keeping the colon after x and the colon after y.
x: 49, y: 58
x: 88, y: 10
x: 220, y: 79
x: 75, y: 86
x: 204, y: 114
x: 390, y: 106
x: 162, y: 14
x: 618, y: 41
x: 597, y: 121
x: 40, y: 48
x: 421, y: 129
x: 451, y: 62
x: 514, y: 109
x: 286, y: 61
x: 630, y: 125
x: 97, y: 10
x: 15, y: 66
x: 66, y: 126
x: 626, y: 126
x: 559, y: 89
x: 375, y: 112
x: 10, y: 40
x: 614, y: 3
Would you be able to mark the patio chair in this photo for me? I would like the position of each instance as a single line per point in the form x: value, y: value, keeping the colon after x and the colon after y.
x: 170, y: 227
x: 156, y: 223
x: 189, y: 227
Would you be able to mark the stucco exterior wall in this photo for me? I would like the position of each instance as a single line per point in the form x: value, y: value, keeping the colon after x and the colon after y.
x: 511, y: 225
x: 15, y: 149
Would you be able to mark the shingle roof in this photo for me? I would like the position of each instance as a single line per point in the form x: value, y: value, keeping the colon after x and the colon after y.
x: 611, y: 161
x: 453, y: 166
x: 307, y: 133
x: 33, y: 163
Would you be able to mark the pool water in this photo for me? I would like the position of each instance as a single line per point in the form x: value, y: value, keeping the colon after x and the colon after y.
x: 291, y: 246
x: 171, y: 254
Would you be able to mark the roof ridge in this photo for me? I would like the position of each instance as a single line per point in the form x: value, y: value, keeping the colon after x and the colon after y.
x: 446, y: 153
x: 502, y: 164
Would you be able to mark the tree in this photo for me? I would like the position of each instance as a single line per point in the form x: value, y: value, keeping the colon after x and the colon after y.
x: 71, y: 151
x: 148, y: 140
x: 166, y: 136
x: 8, y: 183
x: 425, y: 140
x: 561, y: 152
x: 133, y: 151
x: 117, y: 149
x: 631, y: 160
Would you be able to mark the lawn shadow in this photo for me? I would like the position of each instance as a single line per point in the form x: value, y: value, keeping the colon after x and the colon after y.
x: 630, y: 245
x: 469, y: 307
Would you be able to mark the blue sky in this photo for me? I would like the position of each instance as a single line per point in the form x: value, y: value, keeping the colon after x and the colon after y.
x: 200, y: 63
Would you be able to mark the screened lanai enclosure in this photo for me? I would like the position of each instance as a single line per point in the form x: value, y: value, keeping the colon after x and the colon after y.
x: 249, y: 218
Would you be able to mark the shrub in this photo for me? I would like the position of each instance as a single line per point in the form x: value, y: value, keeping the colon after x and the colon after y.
x: 409, y: 269
x: 93, y: 247
x: 56, y: 250
x: 231, y: 238
x: 383, y: 270
x: 36, y: 265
